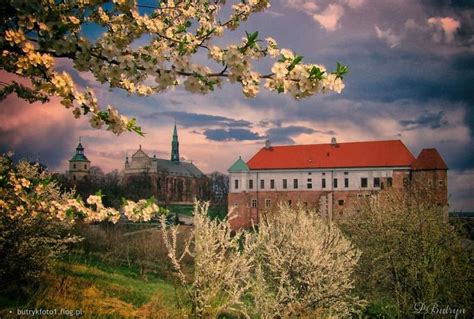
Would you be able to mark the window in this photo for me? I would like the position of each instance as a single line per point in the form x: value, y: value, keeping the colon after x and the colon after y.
x: 272, y: 183
x: 85, y: 166
x: 430, y: 182
x: 324, y: 174
x: 268, y: 203
x: 389, y: 182
x: 346, y: 173
x: 295, y: 183
x: 253, y: 204
x: 323, y: 183
x: 309, y: 184
x: 289, y: 202
x: 250, y: 183
x: 73, y: 165
x: 309, y: 173
x: 335, y: 183
x: 74, y: 177
x: 262, y: 183
x: 346, y: 182
x: 285, y: 184
x: 305, y: 204
x: 236, y: 205
x: 405, y: 181
x: 340, y: 202
x: 363, y: 182
x: 440, y: 182
x: 376, y: 181
x: 236, y: 184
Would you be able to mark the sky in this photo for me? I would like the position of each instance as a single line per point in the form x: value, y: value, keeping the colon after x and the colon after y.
x: 411, y: 78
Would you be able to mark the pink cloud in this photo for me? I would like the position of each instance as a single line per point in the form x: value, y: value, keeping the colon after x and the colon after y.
x: 447, y: 25
x: 329, y: 18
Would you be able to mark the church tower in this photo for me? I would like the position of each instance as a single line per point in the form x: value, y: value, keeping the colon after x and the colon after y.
x: 79, y: 165
x: 175, y: 146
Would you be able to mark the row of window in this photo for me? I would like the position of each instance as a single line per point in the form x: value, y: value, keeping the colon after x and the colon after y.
x: 309, y: 183
x: 268, y: 203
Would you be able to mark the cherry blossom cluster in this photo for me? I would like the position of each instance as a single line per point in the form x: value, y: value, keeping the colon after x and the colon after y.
x: 27, y: 191
x: 146, y: 53
x: 141, y: 211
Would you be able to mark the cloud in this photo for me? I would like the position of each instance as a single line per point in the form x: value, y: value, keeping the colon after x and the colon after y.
x: 446, y: 26
x: 283, y: 134
x: 430, y: 120
x: 36, y: 131
x: 187, y: 119
x: 232, y: 134
x: 354, y: 4
x: 389, y: 36
x: 329, y: 18
x: 302, y: 5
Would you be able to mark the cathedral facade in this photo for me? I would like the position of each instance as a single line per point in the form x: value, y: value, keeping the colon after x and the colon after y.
x: 169, y: 181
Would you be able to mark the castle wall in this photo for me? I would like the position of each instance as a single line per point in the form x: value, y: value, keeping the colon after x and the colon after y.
x: 248, y: 206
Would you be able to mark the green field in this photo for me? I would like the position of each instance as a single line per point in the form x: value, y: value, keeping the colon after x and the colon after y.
x: 215, y: 211
x: 100, y: 290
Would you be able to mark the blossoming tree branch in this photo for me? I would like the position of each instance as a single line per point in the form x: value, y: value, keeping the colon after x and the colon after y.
x: 144, y: 53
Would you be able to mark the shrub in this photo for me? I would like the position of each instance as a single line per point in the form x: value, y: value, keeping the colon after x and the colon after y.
x: 30, y: 235
x: 304, y: 266
x: 294, y: 264
x: 411, y: 254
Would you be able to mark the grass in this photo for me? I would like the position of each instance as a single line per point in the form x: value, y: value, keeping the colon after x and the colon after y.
x: 100, y: 290
x: 215, y: 211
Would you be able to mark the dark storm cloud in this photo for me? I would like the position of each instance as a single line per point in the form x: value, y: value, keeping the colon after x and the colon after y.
x: 50, y: 147
x: 200, y: 120
x: 283, y: 135
x: 431, y: 120
x: 232, y: 134
x: 463, y: 4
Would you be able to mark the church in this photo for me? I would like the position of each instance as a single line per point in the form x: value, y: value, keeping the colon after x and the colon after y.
x: 169, y: 181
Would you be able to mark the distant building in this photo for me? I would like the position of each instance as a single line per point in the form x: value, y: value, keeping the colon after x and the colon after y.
x: 328, y: 177
x: 170, y: 181
x: 79, y: 165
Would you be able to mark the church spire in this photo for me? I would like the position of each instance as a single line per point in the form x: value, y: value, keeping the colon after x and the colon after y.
x: 175, y: 146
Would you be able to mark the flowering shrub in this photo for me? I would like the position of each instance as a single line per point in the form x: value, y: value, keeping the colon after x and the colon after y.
x: 36, y: 219
x: 221, y: 268
x: 35, y: 33
x: 294, y: 264
x: 303, y: 266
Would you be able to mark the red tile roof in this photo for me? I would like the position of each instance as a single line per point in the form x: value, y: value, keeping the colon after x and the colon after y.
x: 429, y: 158
x: 343, y: 155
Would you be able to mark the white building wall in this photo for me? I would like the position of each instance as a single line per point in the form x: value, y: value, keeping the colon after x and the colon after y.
x: 316, y: 177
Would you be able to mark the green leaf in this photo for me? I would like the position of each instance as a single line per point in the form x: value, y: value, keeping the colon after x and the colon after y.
x: 316, y: 73
x: 295, y: 61
x: 341, y: 70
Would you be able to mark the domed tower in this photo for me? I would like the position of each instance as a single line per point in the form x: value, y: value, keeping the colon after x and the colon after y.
x: 79, y: 165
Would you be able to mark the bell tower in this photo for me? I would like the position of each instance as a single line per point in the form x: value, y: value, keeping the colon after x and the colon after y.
x: 79, y: 165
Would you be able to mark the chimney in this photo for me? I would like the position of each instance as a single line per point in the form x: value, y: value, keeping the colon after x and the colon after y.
x: 268, y: 144
x: 333, y: 141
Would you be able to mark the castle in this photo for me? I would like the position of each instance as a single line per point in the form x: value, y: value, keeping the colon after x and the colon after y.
x: 169, y: 181
x: 328, y: 177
